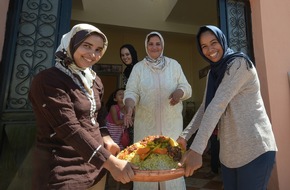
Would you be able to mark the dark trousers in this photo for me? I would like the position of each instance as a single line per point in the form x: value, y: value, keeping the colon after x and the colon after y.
x: 214, y: 153
x: 252, y: 176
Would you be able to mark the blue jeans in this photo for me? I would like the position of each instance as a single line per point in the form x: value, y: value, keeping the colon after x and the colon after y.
x: 252, y: 176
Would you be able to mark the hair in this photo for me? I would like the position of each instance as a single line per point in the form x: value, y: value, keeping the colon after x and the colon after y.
x: 152, y: 35
x: 111, y: 100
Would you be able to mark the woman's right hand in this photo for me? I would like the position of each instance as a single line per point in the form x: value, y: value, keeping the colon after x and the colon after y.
x: 110, y: 145
x: 128, y: 120
x: 121, y: 170
x: 129, y: 109
x: 182, y: 142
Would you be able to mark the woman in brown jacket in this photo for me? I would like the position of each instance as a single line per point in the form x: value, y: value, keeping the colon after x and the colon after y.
x: 73, y: 148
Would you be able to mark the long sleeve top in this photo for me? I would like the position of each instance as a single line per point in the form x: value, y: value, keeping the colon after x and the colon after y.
x: 150, y: 89
x: 66, y: 138
x: 244, y: 128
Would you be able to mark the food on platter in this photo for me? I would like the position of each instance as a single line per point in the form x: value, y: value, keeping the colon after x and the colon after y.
x: 153, y: 153
x: 157, y: 158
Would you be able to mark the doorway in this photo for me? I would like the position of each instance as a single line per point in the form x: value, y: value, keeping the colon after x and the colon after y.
x: 130, y: 21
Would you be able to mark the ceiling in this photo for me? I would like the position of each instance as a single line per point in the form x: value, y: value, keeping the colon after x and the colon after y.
x: 179, y: 16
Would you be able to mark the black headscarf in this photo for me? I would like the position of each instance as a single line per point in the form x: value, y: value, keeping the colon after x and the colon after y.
x: 134, y: 56
x: 218, y: 69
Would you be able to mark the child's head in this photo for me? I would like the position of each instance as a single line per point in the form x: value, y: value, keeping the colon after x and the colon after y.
x: 115, y: 98
x: 118, y: 95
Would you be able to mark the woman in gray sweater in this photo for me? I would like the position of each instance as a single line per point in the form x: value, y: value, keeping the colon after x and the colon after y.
x: 233, y: 103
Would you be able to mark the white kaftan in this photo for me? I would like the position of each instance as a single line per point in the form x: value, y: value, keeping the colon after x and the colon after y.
x: 150, y: 89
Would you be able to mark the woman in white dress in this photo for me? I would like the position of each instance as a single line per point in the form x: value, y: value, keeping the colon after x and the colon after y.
x: 156, y: 88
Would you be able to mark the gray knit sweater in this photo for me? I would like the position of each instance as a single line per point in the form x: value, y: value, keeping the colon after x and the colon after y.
x: 245, y: 130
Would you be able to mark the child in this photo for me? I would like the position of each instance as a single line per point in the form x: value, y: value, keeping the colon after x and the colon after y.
x: 114, y: 118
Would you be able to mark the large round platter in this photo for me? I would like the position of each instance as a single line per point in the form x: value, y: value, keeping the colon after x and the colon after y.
x: 157, y: 175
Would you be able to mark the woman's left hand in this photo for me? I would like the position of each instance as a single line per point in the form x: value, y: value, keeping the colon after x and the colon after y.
x: 110, y: 145
x: 175, y: 97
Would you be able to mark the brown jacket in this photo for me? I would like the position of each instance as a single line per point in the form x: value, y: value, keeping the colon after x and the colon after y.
x: 66, y: 137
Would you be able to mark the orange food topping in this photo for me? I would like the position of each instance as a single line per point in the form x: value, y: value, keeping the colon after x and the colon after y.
x: 141, y: 151
x: 160, y: 150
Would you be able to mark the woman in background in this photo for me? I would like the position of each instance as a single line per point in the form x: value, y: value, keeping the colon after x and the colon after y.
x: 156, y: 88
x: 129, y: 57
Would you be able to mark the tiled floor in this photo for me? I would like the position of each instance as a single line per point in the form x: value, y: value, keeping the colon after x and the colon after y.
x: 198, y: 181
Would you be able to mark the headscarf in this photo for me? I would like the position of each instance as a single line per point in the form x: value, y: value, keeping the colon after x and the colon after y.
x: 218, y: 69
x: 134, y: 56
x: 69, y: 44
x: 158, y: 63
x: 83, y: 77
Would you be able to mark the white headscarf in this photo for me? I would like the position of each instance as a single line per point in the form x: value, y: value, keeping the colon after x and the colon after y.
x: 65, y: 62
x: 69, y: 43
x: 66, y: 38
x: 158, y: 63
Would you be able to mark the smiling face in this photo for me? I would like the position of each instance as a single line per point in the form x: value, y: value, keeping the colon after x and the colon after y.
x: 154, y: 47
x: 89, y: 52
x: 210, y: 46
x: 126, y: 56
